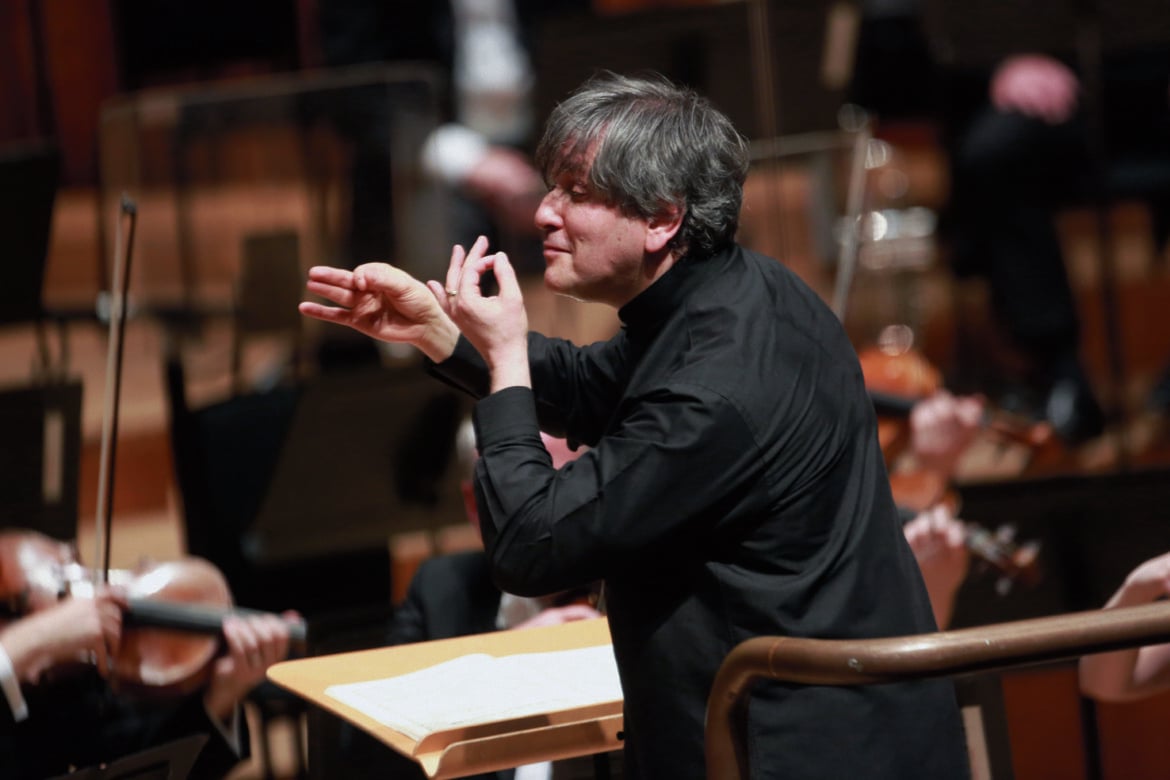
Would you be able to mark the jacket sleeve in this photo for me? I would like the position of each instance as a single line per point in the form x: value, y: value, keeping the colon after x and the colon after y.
x: 575, y: 388
x: 640, y: 493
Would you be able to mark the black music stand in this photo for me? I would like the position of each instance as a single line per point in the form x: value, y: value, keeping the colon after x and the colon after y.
x: 40, y: 461
x: 28, y: 189
x: 169, y: 761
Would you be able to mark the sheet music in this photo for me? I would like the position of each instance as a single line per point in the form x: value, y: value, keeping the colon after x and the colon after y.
x: 481, y: 688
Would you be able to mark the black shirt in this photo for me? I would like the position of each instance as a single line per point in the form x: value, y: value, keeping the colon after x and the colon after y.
x: 734, y: 488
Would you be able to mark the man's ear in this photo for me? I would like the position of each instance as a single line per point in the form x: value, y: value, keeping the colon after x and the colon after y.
x: 662, y: 227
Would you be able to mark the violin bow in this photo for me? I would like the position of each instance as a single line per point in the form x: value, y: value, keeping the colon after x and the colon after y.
x: 119, y: 287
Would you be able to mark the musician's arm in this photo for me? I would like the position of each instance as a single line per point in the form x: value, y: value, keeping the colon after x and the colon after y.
x: 1133, y: 672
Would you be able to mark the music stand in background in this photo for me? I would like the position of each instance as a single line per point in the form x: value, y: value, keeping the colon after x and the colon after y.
x: 294, y: 491
x: 169, y: 761
x: 28, y: 189
x: 40, y: 461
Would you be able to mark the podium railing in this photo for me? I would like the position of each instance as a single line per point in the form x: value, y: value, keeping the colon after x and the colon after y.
x: 943, y: 654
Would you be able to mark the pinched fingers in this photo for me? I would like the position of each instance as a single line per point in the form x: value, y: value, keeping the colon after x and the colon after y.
x: 506, y: 277
x: 460, y: 260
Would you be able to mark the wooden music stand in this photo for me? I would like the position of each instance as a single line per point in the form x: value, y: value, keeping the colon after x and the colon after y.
x: 482, y: 747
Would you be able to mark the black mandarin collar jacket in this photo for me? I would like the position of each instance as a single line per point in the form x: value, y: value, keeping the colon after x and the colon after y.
x: 734, y: 487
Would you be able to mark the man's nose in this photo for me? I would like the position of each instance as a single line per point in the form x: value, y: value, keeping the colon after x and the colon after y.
x: 547, y: 214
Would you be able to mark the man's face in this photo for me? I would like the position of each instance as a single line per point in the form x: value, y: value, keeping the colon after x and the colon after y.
x: 592, y: 251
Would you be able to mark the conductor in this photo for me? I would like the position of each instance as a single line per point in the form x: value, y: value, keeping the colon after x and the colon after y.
x: 734, y: 486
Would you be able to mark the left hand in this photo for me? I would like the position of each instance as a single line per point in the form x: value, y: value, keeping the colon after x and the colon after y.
x: 385, y: 303
x: 254, y: 643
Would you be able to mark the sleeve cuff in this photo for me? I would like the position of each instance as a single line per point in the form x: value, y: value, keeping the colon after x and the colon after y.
x: 11, y: 687
x: 230, y: 731
x: 463, y: 370
x: 504, y: 415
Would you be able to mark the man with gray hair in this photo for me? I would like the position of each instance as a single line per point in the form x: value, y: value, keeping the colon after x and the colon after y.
x: 734, y: 486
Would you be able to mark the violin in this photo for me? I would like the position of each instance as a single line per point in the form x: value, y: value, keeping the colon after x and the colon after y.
x: 998, y: 550
x: 897, y: 378
x: 172, y: 623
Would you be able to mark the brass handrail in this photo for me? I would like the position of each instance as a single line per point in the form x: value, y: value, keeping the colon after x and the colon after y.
x: 942, y: 654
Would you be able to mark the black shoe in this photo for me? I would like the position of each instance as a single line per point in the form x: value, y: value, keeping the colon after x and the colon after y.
x: 1073, y: 412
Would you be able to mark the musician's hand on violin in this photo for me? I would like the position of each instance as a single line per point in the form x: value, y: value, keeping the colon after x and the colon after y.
x: 938, y: 541
x: 942, y: 426
x: 385, y: 303
x: 76, y: 630
x: 254, y: 643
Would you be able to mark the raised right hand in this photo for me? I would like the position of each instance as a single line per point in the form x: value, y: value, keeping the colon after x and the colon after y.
x: 385, y: 303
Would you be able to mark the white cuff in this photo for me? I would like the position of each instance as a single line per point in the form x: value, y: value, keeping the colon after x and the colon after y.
x: 11, y: 687
x: 451, y: 152
x: 230, y: 731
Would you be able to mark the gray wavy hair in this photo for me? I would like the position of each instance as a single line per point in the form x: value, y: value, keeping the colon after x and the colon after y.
x: 657, y: 144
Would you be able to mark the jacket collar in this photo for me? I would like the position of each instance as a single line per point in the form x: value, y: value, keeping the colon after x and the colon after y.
x: 660, y: 301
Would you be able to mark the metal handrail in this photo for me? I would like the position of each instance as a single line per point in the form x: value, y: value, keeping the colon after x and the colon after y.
x: 942, y: 654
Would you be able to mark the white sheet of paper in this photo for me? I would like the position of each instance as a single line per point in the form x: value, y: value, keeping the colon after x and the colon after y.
x: 480, y: 688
